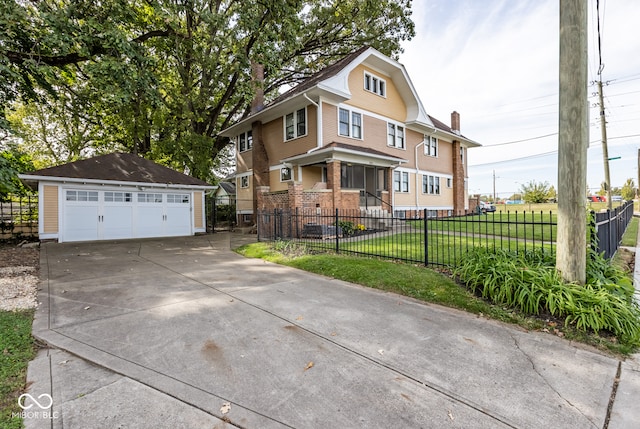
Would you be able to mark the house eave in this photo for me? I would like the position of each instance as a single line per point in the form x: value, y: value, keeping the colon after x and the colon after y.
x: 118, y: 183
x: 347, y: 155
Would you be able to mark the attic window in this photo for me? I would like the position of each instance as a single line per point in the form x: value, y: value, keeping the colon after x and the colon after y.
x: 375, y: 84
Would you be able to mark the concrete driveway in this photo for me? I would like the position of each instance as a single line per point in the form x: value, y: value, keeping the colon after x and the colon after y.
x: 185, y: 333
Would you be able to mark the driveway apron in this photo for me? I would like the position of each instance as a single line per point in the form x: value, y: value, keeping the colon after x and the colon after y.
x: 236, y: 342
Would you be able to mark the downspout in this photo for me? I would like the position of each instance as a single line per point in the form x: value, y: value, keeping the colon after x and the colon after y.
x: 318, y: 122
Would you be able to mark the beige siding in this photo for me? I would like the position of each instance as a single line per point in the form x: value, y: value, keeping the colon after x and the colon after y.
x: 391, y: 106
x: 50, y: 206
x: 278, y: 149
x: 311, y: 176
x: 244, y: 196
x: 197, y: 210
x: 244, y: 162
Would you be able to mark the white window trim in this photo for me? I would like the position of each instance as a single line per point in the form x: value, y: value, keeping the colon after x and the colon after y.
x: 351, y: 112
x: 246, y: 142
x: 428, y: 145
x: 241, y: 178
x: 437, y: 188
x: 379, y: 92
x: 395, y: 140
x: 282, y: 179
x: 403, y: 175
x: 295, y: 125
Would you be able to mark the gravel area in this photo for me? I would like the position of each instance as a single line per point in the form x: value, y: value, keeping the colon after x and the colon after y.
x: 19, y: 277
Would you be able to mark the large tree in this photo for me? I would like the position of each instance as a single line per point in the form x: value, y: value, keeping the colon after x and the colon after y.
x: 535, y: 192
x: 165, y: 76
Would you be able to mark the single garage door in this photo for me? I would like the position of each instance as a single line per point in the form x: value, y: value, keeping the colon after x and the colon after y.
x: 109, y: 215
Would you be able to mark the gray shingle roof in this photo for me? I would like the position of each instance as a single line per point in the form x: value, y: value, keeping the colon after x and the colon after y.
x: 120, y: 167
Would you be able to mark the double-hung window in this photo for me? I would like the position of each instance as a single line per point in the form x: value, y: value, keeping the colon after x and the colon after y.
x: 395, y: 135
x: 401, y: 181
x: 245, y: 141
x: 295, y: 124
x: 430, y: 146
x: 431, y: 185
x: 349, y: 123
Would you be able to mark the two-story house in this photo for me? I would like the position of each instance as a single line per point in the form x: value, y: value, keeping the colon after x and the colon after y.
x: 353, y: 135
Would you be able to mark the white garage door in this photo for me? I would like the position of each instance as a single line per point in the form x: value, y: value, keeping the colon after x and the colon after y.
x: 108, y: 215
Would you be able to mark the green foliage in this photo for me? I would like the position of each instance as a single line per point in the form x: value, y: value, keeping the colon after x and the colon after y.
x: 535, y: 192
x: 13, y: 162
x: 530, y: 283
x: 628, y: 191
x: 163, y: 78
x: 17, y: 349
x: 348, y: 227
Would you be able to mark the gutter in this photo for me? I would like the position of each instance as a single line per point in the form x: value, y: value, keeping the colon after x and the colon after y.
x: 112, y: 182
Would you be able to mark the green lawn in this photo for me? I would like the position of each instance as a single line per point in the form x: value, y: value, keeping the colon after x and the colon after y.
x: 442, y: 249
x: 16, y: 350
x: 538, y: 225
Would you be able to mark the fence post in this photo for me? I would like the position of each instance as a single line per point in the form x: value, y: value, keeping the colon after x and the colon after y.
x: 426, y: 238
x: 337, y: 239
x: 593, y: 233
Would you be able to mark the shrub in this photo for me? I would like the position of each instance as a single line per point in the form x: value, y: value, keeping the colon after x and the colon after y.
x: 529, y: 282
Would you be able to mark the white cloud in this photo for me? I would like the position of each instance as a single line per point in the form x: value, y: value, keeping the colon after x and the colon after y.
x: 496, y: 62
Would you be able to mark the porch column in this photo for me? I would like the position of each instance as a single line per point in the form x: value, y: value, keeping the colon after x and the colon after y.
x: 333, y: 182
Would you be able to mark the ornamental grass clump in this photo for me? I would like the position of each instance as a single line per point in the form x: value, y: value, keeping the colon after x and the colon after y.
x: 529, y: 282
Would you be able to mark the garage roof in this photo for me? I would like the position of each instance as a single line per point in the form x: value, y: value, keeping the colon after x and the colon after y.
x: 116, y: 167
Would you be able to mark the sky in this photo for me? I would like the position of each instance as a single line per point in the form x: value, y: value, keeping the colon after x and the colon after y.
x: 496, y: 63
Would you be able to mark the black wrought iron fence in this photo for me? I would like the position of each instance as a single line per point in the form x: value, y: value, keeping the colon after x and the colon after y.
x: 432, y: 241
x: 610, y: 226
x: 19, y: 217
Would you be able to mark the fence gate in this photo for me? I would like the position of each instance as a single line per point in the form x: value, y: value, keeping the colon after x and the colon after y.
x: 221, y: 213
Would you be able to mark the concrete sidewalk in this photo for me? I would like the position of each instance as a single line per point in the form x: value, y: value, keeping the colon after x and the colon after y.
x: 185, y: 333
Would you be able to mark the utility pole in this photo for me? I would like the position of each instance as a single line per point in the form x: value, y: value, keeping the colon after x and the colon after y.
x: 605, y: 149
x: 494, y: 187
x: 573, y: 140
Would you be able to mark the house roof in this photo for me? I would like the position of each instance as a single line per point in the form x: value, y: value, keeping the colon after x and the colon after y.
x: 319, y: 76
x: 332, y: 84
x: 116, y: 167
x: 229, y: 188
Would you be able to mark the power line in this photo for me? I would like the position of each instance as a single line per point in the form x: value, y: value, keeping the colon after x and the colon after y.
x: 592, y: 144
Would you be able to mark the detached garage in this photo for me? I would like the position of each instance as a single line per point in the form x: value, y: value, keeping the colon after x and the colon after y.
x: 117, y: 196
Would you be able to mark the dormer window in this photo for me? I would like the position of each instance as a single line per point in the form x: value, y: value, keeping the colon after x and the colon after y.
x: 375, y: 84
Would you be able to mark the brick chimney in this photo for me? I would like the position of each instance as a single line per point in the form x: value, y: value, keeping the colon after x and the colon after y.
x: 257, y: 81
x: 455, y: 122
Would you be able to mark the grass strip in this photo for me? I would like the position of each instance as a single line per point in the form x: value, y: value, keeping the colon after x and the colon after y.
x: 17, y: 348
